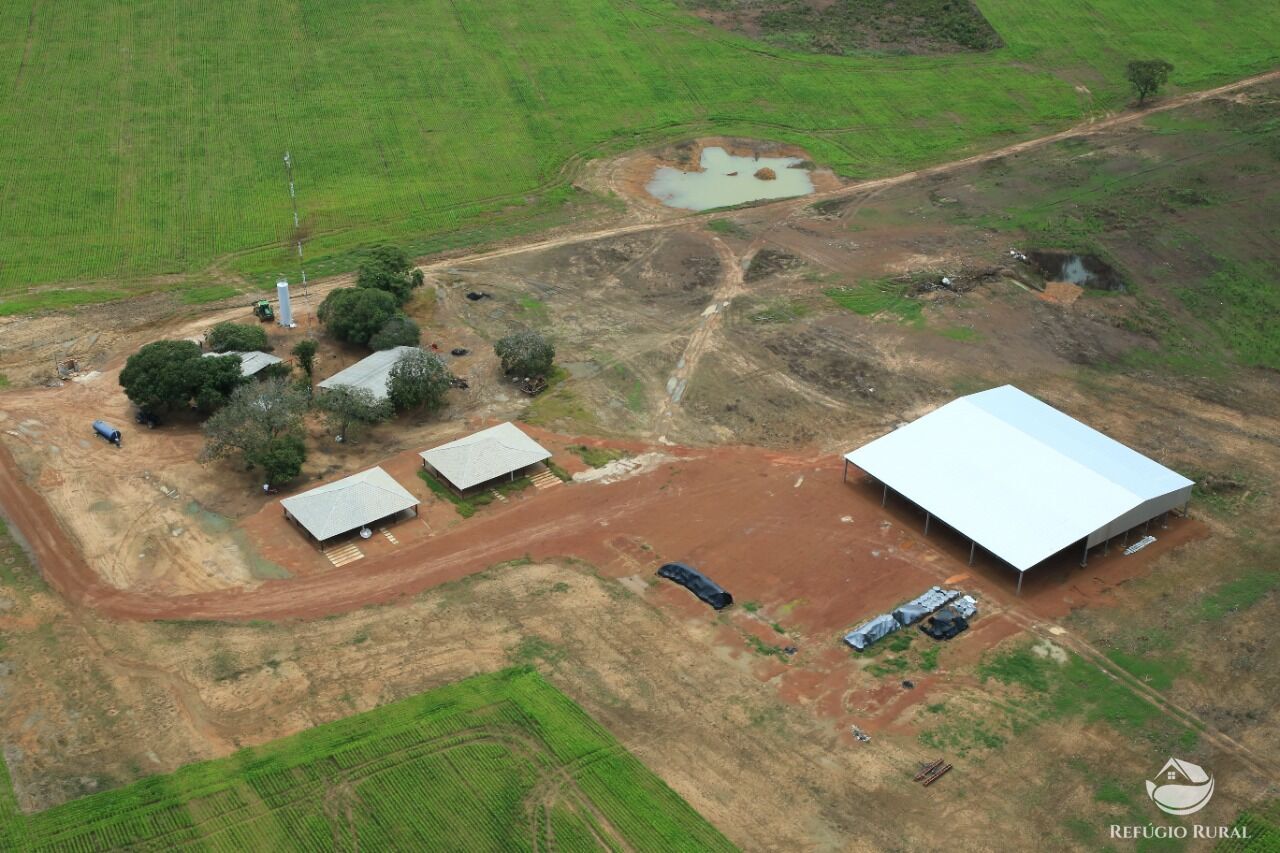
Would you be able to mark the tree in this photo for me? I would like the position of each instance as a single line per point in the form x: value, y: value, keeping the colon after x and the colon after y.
x: 213, y: 380
x: 281, y: 459
x: 348, y: 408
x: 167, y: 375
x: 389, y: 269
x: 263, y: 423
x: 399, y: 331
x: 418, y: 380
x: 1147, y: 76
x: 238, y: 337
x: 305, y: 350
x: 525, y: 353
x: 355, y: 315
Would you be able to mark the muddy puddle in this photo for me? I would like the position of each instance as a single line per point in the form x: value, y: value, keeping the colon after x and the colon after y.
x: 1083, y: 270
x: 727, y: 179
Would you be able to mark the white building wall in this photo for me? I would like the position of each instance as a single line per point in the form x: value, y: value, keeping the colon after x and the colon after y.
x: 1142, y: 512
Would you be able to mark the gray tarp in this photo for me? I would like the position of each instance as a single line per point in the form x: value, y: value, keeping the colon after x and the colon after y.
x: 965, y: 606
x: 921, y: 606
x: 868, y: 632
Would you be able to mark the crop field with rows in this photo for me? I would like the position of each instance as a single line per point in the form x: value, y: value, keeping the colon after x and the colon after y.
x: 142, y: 142
x: 497, y: 762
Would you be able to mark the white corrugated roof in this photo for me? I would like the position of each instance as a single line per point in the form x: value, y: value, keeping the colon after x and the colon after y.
x: 351, y: 502
x: 1014, y: 474
x: 250, y: 362
x: 485, y: 455
x: 370, y: 372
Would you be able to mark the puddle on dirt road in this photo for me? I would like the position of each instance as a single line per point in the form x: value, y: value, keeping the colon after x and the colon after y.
x: 1083, y: 270
x: 728, y: 179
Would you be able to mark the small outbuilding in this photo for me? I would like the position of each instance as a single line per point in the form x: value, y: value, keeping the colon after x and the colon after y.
x: 370, y: 373
x: 351, y: 503
x: 480, y: 458
x: 1019, y: 477
x: 251, y: 363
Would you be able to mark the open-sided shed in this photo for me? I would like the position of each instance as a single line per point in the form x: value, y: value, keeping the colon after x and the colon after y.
x: 348, y: 504
x: 1019, y: 477
x: 476, y: 459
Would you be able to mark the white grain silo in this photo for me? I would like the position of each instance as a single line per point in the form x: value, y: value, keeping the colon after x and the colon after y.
x: 285, y: 316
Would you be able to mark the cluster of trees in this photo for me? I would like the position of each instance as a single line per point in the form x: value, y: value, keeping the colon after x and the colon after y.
x: 369, y: 314
x: 165, y: 376
x: 262, y: 422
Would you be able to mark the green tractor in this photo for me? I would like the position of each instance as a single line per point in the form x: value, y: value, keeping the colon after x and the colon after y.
x: 263, y: 311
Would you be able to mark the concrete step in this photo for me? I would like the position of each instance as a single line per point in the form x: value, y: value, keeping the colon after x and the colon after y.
x: 344, y: 554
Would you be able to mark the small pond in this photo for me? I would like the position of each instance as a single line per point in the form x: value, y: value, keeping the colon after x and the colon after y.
x: 728, y: 179
x: 1083, y: 270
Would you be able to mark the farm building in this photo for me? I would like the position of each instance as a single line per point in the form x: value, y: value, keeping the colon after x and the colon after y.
x: 1019, y: 477
x: 480, y: 458
x: 349, y: 504
x: 370, y: 373
x: 251, y: 363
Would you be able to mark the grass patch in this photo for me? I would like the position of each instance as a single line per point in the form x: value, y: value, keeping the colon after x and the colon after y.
x: 873, y: 298
x: 751, y: 606
x: 1239, y: 594
x: 728, y: 228
x: 1154, y: 670
x: 564, y: 475
x: 441, y: 765
x: 596, y: 457
x: 760, y: 647
x: 960, y: 333
x: 465, y: 508
x: 4, y: 381
x: 779, y: 311
x: 533, y: 309
x: 929, y: 658
x: 203, y: 294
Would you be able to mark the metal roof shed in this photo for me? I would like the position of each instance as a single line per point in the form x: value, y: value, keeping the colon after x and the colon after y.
x: 1019, y: 477
x: 370, y: 372
x: 483, y: 456
x: 348, y: 504
x: 250, y: 362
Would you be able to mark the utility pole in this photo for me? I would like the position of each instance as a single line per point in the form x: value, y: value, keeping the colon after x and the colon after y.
x: 297, y: 230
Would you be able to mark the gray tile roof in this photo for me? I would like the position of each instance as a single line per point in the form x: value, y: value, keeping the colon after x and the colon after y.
x: 485, y: 455
x: 250, y: 362
x: 370, y: 372
x: 335, y: 508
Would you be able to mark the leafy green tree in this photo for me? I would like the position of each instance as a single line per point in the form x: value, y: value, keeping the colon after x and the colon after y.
x: 399, y: 331
x: 237, y: 337
x: 418, y: 380
x: 305, y: 350
x: 1147, y: 76
x: 281, y: 458
x: 355, y: 315
x: 167, y: 375
x: 525, y: 353
x: 348, y: 409
x: 388, y: 268
x: 213, y: 380
x: 263, y: 423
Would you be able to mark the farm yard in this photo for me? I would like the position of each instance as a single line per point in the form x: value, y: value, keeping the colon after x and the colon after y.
x: 143, y: 143
x: 182, y: 663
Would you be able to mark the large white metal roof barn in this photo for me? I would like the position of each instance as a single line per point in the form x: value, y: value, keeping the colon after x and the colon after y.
x: 1019, y: 477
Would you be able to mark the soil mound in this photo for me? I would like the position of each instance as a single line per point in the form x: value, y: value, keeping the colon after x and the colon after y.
x: 766, y: 174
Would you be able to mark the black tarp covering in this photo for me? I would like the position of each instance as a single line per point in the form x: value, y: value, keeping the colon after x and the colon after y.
x: 697, y: 583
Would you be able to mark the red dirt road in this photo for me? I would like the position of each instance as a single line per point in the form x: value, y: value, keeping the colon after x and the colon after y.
x: 771, y: 527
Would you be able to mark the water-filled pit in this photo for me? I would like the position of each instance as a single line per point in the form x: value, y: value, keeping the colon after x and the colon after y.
x: 727, y: 179
x: 1084, y: 270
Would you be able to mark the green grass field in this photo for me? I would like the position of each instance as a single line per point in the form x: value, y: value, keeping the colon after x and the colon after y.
x: 500, y: 762
x: 144, y: 139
